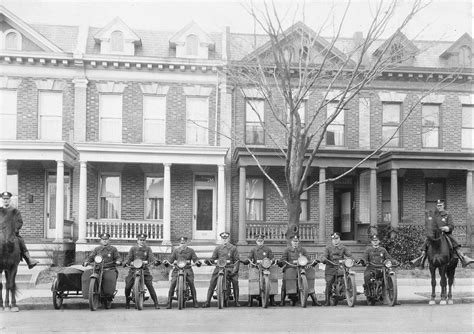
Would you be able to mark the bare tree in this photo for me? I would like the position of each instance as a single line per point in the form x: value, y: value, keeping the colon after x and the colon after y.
x: 294, y: 63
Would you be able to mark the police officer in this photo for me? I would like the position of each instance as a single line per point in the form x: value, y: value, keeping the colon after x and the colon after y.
x: 334, y: 252
x: 143, y: 252
x: 374, y: 254
x: 111, y: 258
x: 260, y: 252
x: 290, y: 254
x: 444, y: 221
x: 183, y: 253
x: 225, y: 251
x: 10, y: 215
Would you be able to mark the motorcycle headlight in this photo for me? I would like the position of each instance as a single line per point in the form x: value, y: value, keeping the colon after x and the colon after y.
x: 221, y: 262
x: 388, y: 263
x: 137, y: 263
x: 302, y: 261
x: 266, y: 263
x: 349, y: 263
x: 98, y: 259
x: 181, y: 264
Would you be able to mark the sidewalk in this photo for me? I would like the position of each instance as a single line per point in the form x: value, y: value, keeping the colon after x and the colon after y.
x: 410, y: 291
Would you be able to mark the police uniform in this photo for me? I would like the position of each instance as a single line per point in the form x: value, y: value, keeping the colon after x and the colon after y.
x: 109, y: 254
x: 225, y: 252
x: 143, y: 253
x: 183, y: 253
x: 374, y: 255
x: 259, y: 253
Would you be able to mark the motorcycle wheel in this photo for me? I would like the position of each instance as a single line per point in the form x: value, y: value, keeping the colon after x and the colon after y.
x: 351, y: 291
x: 265, y: 294
x: 180, y: 292
x: 57, y: 296
x: 303, y: 291
x: 138, y: 292
x: 220, y: 292
x: 94, y: 294
x: 391, y: 290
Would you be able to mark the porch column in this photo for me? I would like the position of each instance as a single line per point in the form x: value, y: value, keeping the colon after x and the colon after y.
x: 242, y: 207
x: 470, y: 207
x: 59, y: 201
x: 373, y: 197
x: 82, y: 202
x: 221, y: 200
x: 167, y: 205
x: 394, y: 198
x: 322, y: 206
x: 3, y: 175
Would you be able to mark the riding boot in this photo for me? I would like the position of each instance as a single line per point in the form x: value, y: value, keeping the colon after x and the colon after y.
x: 170, y: 299
x: 465, y: 260
x: 194, y: 294
x: 315, y: 300
x: 29, y: 261
x: 127, y: 302
x: 236, y: 296
x: 154, y: 298
x: 327, y: 295
x: 208, y: 299
x: 272, y: 300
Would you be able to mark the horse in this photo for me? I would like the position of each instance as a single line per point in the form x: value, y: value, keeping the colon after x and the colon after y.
x: 440, y: 256
x: 9, y: 260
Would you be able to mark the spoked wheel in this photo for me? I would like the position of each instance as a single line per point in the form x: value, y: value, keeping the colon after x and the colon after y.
x: 351, y: 291
x: 220, y: 292
x: 138, y: 293
x: 180, y: 292
x: 265, y: 293
x: 57, y: 296
x: 94, y: 294
x: 391, y: 290
x: 303, y: 291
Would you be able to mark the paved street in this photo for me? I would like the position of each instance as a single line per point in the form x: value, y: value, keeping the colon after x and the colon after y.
x: 403, y: 318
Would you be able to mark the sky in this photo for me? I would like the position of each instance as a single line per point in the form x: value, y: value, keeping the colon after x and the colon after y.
x: 440, y: 20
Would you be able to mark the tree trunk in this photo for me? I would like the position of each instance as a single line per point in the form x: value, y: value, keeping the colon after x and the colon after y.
x: 294, y: 211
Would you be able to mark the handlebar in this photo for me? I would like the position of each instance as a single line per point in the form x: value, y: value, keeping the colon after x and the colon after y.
x: 338, y: 263
x: 295, y: 263
x: 256, y: 263
x: 214, y: 262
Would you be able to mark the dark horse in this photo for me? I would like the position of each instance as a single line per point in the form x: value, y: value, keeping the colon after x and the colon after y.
x: 440, y: 255
x: 9, y: 260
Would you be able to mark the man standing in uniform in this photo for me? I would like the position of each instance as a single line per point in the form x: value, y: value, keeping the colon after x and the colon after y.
x: 444, y: 221
x: 291, y: 254
x: 183, y: 253
x: 11, y: 215
x: 374, y: 254
x: 226, y: 251
x: 144, y: 253
x: 334, y: 252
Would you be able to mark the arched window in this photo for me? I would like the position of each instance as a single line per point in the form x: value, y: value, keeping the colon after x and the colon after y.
x: 288, y: 54
x: 192, y: 42
x: 12, y: 41
x: 465, y: 55
x: 116, y: 41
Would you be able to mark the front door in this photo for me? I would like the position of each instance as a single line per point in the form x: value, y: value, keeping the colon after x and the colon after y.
x: 204, y: 215
x: 51, y: 203
x: 344, y: 212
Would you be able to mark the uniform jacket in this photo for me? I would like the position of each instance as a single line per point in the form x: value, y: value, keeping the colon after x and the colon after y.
x: 291, y: 254
x: 109, y: 253
x: 334, y: 254
x: 144, y: 253
x: 183, y: 254
x: 375, y: 255
x: 10, y: 220
x: 260, y: 252
x: 227, y: 252
x: 443, y: 218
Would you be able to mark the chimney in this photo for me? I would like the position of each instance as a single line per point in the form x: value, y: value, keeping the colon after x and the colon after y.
x: 358, y: 40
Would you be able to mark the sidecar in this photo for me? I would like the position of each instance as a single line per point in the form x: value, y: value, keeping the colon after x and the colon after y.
x: 68, y: 283
x: 254, y: 283
x: 290, y: 286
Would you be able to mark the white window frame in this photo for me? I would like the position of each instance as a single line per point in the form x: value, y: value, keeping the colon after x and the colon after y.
x: 119, y: 206
x: 8, y: 115
x: 105, y: 115
x: 249, y: 200
x: 155, y: 118
x: 338, y: 123
x: 396, y: 141
x: 116, y: 39
x: 160, y: 199
x: 50, y: 112
x: 467, y: 130
x: 253, y: 122
x: 430, y: 128
x: 197, y: 132
x: 192, y: 45
x: 18, y: 39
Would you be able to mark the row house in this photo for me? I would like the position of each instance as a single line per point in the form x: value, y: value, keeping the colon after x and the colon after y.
x: 111, y: 129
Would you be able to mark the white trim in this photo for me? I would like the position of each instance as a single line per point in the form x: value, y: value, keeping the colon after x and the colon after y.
x: 433, y: 99
x: 111, y: 87
x: 153, y: 88
x: 50, y: 84
x: 467, y: 99
x: 392, y: 97
x: 197, y: 90
x: 9, y: 83
x: 18, y: 41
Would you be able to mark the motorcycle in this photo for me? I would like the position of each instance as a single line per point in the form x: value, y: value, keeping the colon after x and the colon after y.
x: 183, y: 290
x: 344, y: 286
x: 102, y: 285
x: 224, y: 291
x: 139, y: 288
x: 297, y: 271
x: 382, y: 286
x: 261, y: 270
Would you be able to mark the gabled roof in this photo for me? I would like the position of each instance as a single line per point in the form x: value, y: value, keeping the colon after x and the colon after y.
x: 398, y: 38
x: 27, y: 31
x: 299, y: 28
x: 465, y: 39
x: 117, y: 24
x: 192, y: 28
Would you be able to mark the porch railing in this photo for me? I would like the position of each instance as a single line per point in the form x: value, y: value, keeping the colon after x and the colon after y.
x: 124, y: 229
x: 277, y: 231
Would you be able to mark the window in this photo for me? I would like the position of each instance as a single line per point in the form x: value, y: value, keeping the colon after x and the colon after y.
x: 435, y: 189
x: 254, y: 122
x: 110, y: 196
x: 197, y: 121
x: 386, y: 200
x: 288, y: 54
x: 12, y: 186
x: 467, y: 136
x: 154, y: 197
x: 116, y: 41
x: 192, y: 43
x: 110, y: 123
x: 8, y: 110
x: 465, y: 56
x: 301, y: 113
x: 335, y: 130
x: 390, y: 122
x: 154, y: 119
x: 12, y: 41
x: 396, y: 53
x: 430, y: 125
x: 304, y: 216
x: 50, y: 111
x: 254, y: 198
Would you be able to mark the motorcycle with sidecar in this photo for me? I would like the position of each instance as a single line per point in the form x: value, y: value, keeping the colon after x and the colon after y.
x: 102, y: 285
x: 263, y: 281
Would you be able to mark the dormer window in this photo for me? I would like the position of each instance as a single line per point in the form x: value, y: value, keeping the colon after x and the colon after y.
x: 465, y: 56
x: 396, y: 53
x: 192, y: 43
x: 116, y: 41
x: 12, y: 40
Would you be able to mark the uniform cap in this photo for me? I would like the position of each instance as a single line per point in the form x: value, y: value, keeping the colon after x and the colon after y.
x: 260, y: 236
x: 104, y: 235
x: 336, y: 235
x: 225, y: 235
x: 6, y: 194
x: 295, y: 238
x: 440, y: 201
x: 141, y: 236
x: 183, y: 239
x: 374, y: 237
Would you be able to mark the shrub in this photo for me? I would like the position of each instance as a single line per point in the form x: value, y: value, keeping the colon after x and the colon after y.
x: 404, y: 243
